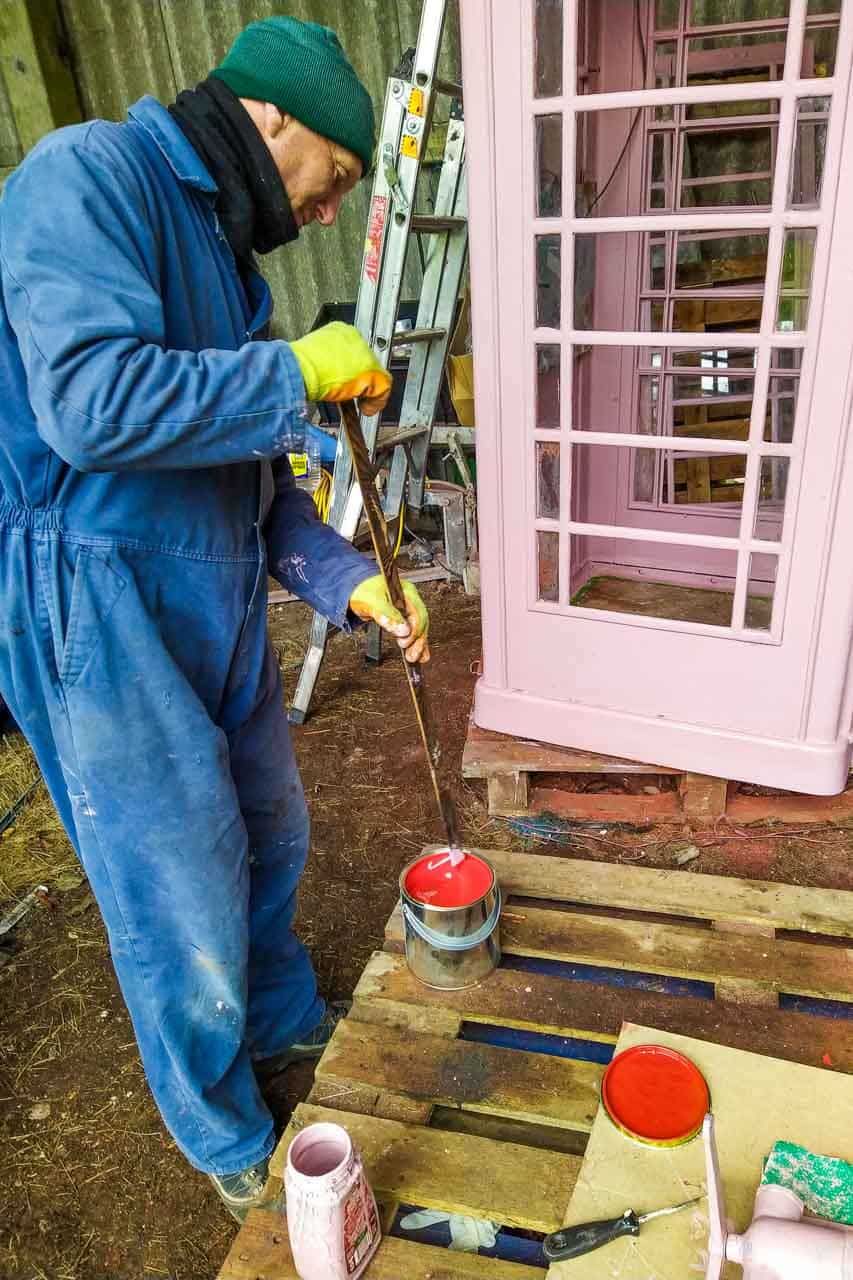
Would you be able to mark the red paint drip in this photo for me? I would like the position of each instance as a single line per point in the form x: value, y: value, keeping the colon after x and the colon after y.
x: 655, y: 1094
x: 434, y: 882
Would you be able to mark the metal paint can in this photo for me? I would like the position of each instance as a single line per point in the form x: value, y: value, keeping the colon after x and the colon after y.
x: 452, y: 920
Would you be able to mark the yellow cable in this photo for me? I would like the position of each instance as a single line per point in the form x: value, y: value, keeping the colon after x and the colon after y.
x: 400, y: 529
x: 323, y: 496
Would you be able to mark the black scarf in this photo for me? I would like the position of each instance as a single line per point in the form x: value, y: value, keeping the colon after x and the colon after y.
x: 252, y: 203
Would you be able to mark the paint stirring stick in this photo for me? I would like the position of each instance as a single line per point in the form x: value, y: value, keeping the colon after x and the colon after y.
x: 365, y: 475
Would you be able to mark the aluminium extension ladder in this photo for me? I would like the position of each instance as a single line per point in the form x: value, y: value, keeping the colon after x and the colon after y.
x: 393, y: 224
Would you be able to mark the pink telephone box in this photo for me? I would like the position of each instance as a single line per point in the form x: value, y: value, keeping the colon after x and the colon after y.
x: 662, y: 261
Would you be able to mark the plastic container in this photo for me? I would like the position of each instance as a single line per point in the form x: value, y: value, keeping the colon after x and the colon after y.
x: 332, y: 1219
x: 306, y: 465
x: 452, y: 920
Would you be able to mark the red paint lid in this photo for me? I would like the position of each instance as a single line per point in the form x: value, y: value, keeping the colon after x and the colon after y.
x: 435, y: 883
x: 655, y: 1095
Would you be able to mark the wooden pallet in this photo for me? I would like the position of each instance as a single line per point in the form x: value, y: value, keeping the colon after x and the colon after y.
x: 480, y: 1102
x: 516, y: 772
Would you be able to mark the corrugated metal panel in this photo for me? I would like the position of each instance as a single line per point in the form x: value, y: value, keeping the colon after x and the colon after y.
x: 121, y: 51
x: 10, y: 146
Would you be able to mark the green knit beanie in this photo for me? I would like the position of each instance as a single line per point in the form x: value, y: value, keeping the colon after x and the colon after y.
x: 301, y: 68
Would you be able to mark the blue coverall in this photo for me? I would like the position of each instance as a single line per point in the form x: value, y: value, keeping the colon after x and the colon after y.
x: 144, y: 421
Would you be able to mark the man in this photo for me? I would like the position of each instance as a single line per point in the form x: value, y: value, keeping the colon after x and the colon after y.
x: 144, y: 425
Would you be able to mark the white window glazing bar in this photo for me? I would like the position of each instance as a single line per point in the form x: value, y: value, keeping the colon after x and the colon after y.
x: 705, y: 629
x: 708, y: 221
x: 570, y: 62
x: 688, y: 340
x: 784, y: 161
x: 672, y: 537
x: 688, y: 95
x: 682, y: 444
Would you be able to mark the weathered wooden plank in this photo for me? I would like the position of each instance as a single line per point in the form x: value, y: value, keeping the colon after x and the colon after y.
x: 676, y: 893
x: 486, y: 753
x: 261, y: 1251
x: 606, y: 806
x: 39, y: 84
x: 476, y: 1077
x: 791, y: 808
x: 408, y: 1017
x: 455, y: 1173
x: 703, y: 798
x: 503, y: 1129
x: 508, y: 794
x: 541, y: 1003
x: 808, y: 969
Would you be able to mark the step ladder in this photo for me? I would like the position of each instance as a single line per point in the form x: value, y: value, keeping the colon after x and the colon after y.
x: 395, y: 223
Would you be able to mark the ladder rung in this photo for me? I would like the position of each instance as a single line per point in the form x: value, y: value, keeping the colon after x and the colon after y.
x: 405, y: 336
x: 448, y: 87
x: 434, y: 223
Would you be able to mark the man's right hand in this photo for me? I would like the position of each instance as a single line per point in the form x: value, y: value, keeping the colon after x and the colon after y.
x: 337, y: 364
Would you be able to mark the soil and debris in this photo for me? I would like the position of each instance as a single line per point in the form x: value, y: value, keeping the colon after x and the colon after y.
x: 91, y: 1185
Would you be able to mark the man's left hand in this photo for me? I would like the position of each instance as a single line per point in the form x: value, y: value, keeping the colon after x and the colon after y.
x: 370, y: 602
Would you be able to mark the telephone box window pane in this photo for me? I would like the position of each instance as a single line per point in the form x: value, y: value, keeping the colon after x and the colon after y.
x: 649, y: 405
x: 695, y: 479
x: 809, y: 152
x: 657, y: 264
x: 718, y: 280
x: 547, y: 481
x: 548, y: 388
x: 653, y: 317
x: 785, y: 365
x: 721, y: 260
x: 820, y: 49
x: 687, y: 394
x: 667, y: 14
x: 712, y: 484
x: 548, y: 555
x: 548, y: 282
x: 549, y: 48
x: 772, y: 494
x: 816, y: 7
x: 713, y: 403
x: 661, y: 172
x: 645, y: 475
x: 732, y: 166
x: 707, y: 13
x: 761, y: 592
x: 653, y: 580
x: 796, y: 278
x: 549, y: 152
x: 710, y: 315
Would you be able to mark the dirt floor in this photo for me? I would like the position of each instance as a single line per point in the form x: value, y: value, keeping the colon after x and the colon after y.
x: 91, y: 1185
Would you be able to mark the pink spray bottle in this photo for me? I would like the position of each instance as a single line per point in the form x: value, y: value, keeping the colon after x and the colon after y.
x: 331, y: 1211
x: 780, y: 1244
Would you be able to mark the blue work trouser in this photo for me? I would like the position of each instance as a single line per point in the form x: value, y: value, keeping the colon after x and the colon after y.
x: 145, y: 683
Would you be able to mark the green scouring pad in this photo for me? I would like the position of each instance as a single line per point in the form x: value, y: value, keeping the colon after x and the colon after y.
x: 823, y: 1183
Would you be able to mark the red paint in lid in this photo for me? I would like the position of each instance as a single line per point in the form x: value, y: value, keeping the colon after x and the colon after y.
x: 434, y: 882
x: 655, y: 1095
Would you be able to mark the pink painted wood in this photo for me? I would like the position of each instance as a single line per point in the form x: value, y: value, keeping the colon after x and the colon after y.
x: 771, y: 705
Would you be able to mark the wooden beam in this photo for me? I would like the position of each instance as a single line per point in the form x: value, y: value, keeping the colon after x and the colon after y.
x: 673, y: 950
x: 452, y: 1172
x: 799, y: 908
x: 586, y: 1011
x: 534, y: 1087
x: 262, y: 1252
x: 41, y: 88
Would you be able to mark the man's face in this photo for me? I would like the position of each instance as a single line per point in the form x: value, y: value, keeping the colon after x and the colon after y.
x: 317, y: 173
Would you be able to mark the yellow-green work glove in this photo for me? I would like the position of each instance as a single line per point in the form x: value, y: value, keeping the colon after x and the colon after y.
x: 337, y: 364
x: 370, y: 602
